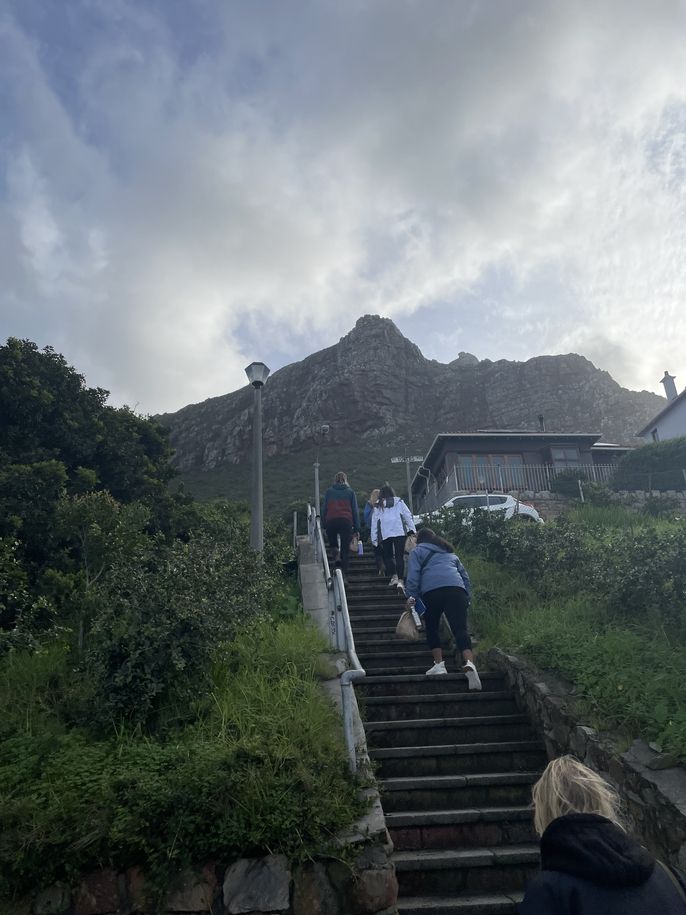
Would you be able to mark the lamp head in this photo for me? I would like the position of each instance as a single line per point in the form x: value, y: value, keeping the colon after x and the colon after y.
x: 257, y: 373
x: 325, y: 429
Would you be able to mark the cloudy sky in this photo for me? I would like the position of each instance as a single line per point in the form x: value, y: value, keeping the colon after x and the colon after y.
x: 188, y: 185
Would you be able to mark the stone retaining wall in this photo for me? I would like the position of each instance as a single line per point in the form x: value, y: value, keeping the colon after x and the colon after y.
x: 551, y: 504
x: 250, y: 886
x: 652, y: 786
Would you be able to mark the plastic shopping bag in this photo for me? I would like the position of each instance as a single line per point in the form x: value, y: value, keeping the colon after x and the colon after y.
x: 406, y: 628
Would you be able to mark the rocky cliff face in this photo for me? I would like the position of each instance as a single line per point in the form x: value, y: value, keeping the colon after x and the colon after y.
x: 375, y: 387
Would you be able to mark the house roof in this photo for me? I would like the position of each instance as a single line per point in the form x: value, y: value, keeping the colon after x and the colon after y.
x: 512, y: 434
x: 663, y: 412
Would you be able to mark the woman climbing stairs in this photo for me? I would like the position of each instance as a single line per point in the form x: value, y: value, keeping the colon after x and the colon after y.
x: 455, y: 768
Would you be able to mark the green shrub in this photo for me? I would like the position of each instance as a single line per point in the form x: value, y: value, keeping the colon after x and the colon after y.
x: 598, y: 494
x: 631, y: 678
x: 660, y: 507
x: 566, y: 482
x: 263, y: 770
x: 658, y: 466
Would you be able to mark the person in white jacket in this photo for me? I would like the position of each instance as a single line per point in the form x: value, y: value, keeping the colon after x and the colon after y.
x: 392, y: 519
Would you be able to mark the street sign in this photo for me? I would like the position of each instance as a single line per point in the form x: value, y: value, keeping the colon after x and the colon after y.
x: 398, y: 460
x: 419, y: 458
x: 415, y: 459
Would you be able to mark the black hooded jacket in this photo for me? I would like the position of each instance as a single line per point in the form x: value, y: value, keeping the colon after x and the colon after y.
x: 589, y: 866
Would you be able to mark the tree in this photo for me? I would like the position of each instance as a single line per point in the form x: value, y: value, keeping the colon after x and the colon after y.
x: 48, y: 413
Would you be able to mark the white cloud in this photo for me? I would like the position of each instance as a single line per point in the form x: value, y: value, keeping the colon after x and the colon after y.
x: 180, y: 191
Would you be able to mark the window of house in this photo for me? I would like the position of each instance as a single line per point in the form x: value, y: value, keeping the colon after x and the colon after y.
x: 655, y: 435
x: 565, y: 457
x: 489, y: 471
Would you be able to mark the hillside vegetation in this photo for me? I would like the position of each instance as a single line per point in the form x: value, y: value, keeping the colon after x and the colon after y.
x: 599, y: 596
x: 289, y: 478
x: 158, y: 683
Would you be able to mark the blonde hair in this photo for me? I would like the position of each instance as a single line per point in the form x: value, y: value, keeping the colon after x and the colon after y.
x: 374, y: 496
x: 567, y: 786
x: 340, y: 477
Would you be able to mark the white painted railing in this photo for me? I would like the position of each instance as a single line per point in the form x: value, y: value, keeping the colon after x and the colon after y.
x: 340, y: 632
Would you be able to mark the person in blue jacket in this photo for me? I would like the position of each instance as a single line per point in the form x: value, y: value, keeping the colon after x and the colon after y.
x: 437, y: 576
x: 590, y: 865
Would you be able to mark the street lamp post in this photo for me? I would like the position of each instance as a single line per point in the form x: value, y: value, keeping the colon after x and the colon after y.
x: 407, y: 460
x: 257, y: 373
x: 319, y: 435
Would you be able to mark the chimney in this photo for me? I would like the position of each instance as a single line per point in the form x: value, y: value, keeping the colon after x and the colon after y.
x: 541, y: 422
x: 670, y: 387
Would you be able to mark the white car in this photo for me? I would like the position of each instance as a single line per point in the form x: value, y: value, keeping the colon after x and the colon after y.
x: 495, y: 502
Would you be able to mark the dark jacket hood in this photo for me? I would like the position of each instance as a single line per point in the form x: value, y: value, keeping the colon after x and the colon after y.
x: 591, y: 847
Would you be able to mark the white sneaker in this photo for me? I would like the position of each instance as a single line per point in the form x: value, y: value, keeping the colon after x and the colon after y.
x: 472, y: 676
x: 401, y: 585
x: 393, y: 581
x: 438, y: 668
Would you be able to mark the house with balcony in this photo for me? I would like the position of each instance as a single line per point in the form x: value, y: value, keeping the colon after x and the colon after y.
x: 670, y: 422
x: 508, y: 460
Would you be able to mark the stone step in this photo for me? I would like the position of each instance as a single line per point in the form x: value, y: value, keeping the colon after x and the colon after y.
x: 379, y: 634
x: 486, y: 904
x: 465, y: 871
x: 438, y: 705
x: 387, y: 643
x: 413, y: 684
x: 415, y: 655
x: 460, y: 759
x: 383, y: 596
x: 359, y: 582
x: 436, y: 792
x: 374, y: 618
x: 417, y: 669
x: 387, y: 614
x: 463, y: 828
x: 441, y: 731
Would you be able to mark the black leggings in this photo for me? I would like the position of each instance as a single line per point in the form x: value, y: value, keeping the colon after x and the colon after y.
x: 454, y: 603
x: 340, y: 527
x: 393, y: 556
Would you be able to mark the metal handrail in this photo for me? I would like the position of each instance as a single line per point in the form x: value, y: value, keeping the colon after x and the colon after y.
x: 341, y: 632
x: 314, y: 528
x: 353, y: 674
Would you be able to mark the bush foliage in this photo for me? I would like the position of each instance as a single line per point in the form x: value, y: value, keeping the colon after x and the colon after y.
x: 157, y: 680
x: 599, y: 595
x: 658, y: 466
x: 261, y: 768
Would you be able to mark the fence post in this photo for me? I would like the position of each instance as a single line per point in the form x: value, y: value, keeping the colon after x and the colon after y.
x: 581, y: 490
x: 684, y: 475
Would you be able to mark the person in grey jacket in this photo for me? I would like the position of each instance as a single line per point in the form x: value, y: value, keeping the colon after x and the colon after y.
x: 438, y: 578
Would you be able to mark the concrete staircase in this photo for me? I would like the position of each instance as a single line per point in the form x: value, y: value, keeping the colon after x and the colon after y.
x: 455, y: 768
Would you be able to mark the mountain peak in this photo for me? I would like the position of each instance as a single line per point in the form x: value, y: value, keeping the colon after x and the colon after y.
x: 374, y: 326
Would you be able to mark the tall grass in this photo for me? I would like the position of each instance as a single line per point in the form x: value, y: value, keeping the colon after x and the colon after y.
x: 262, y: 769
x: 629, y: 677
